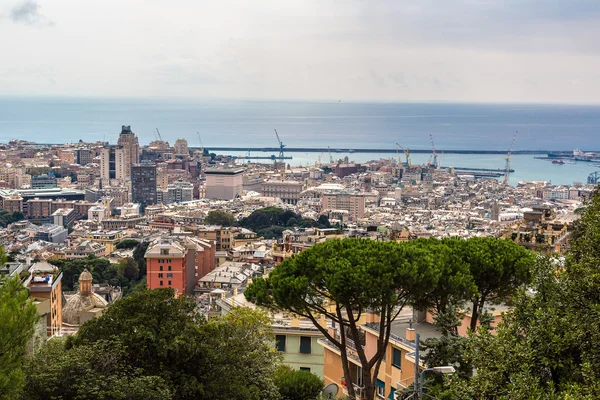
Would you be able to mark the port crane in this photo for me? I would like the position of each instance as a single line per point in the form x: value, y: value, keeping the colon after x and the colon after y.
x: 507, y: 158
x: 406, y: 153
x: 330, y: 157
x: 201, y: 145
x: 159, y: 137
x: 281, y: 146
x: 435, y: 155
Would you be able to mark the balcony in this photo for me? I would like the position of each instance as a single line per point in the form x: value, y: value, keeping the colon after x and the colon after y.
x: 358, y: 390
x: 404, y: 383
x: 374, y: 326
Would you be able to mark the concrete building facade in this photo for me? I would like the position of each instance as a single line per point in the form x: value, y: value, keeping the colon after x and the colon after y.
x: 353, y: 203
x: 287, y: 191
x: 143, y: 184
x: 223, y: 183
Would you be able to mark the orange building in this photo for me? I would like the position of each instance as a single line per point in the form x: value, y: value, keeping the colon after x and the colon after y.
x: 178, y: 263
x: 398, y: 367
x: 45, y: 287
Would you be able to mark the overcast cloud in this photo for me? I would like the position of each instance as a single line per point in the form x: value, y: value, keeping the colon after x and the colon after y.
x: 387, y: 50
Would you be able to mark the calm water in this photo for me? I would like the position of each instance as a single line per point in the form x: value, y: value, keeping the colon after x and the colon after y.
x: 251, y: 123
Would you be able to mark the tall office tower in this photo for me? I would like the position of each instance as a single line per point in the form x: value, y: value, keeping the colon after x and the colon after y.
x: 129, y: 142
x: 181, y: 147
x: 112, y: 164
x: 143, y: 184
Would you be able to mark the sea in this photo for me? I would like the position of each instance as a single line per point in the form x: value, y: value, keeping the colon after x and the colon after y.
x: 251, y: 123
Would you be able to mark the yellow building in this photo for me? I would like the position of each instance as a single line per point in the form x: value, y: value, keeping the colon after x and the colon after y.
x: 297, y: 339
x: 108, y: 239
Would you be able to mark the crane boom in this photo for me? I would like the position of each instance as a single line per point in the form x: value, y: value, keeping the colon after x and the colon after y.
x: 435, y: 155
x: 200, y: 141
x: 160, y: 137
x: 507, y: 158
x: 406, y: 153
x: 281, y: 146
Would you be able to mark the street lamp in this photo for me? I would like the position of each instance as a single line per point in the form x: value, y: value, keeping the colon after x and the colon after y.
x: 446, y: 369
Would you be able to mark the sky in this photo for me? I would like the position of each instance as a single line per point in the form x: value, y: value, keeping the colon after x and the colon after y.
x: 545, y: 51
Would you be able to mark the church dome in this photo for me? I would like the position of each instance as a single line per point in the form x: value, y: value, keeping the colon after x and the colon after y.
x: 83, y: 300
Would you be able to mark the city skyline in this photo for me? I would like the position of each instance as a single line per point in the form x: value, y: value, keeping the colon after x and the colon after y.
x: 474, y: 51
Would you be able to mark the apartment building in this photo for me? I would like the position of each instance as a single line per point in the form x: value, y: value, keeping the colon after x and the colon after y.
x: 287, y: 191
x: 45, y: 287
x: 295, y: 338
x: 354, y: 203
x: 173, y: 262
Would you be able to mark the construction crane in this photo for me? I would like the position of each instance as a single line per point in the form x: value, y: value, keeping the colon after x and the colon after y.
x: 507, y: 158
x: 406, y: 153
x: 281, y: 146
x: 330, y: 157
x: 435, y: 155
x: 160, y: 137
x: 201, y: 145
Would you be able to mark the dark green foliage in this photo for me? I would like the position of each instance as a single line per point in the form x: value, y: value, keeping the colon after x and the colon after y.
x: 270, y: 222
x: 297, y: 385
x: 125, y: 274
x: 498, y: 267
x: 127, y: 244
x: 154, y: 344
x: 96, y: 371
x: 355, y: 276
x: 218, y: 217
x: 18, y: 316
x: 547, y: 345
x: 238, y: 357
x: 100, y: 268
x: 7, y: 218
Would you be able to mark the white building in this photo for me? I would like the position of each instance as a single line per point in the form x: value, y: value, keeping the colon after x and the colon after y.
x: 176, y: 192
x: 97, y: 213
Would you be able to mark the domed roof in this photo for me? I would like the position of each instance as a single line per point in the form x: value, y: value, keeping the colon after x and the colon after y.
x: 79, y: 303
x: 85, y: 275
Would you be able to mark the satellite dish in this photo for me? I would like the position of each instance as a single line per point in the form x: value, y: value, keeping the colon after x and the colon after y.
x: 331, y: 390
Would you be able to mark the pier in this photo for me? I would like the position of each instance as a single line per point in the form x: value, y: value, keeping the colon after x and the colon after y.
x: 367, y: 150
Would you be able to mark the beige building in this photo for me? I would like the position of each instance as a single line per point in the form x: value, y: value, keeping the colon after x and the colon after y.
x: 130, y: 144
x: 181, y: 147
x: 353, y: 203
x: 223, y: 183
x: 112, y: 164
x: 287, y: 191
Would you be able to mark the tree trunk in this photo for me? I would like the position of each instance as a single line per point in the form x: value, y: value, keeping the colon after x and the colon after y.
x: 369, y: 387
x: 475, y: 314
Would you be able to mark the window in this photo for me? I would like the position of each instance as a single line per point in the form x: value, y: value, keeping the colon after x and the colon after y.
x: 160, y: 268
x: 305, y: 344
x: 160, y: 275
x: 161, y: 283
x: 280, y: 342
x: 380, y: 387
x: 396, y: 358
x: 169, y: 267
x: 305, y: 369
x: 169, y: 275
x: 169, y: 283
x: 164, y: 252
x: 169, y: 261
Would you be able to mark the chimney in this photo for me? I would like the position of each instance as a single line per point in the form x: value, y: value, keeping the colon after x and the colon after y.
x: 410, y: 334
x: 295, y: 323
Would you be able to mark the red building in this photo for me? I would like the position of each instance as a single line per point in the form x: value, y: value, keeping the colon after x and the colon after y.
x: 178, y: 263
